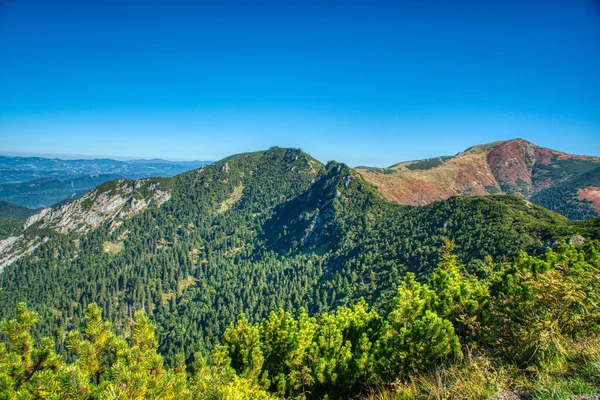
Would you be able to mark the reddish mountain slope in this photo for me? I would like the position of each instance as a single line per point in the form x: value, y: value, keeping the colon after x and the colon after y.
x: 515, y: 167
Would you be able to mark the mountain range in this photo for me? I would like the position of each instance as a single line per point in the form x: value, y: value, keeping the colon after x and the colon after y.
x: 278, y: 229
x: 37, y: 182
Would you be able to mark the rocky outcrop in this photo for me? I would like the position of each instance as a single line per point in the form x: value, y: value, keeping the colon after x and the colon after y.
x: 110, y: 202
x: 15, y: 247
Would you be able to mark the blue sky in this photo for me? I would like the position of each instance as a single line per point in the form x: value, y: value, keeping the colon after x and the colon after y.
x: 362, y: 82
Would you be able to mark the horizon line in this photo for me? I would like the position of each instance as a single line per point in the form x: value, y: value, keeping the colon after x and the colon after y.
x: 76, y: 157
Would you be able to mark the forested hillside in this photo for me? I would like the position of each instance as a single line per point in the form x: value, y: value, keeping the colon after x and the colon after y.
x: 14, y: 211
x: 578, y: 198
x: 12, y: 217
x: 522, y: 329
x: 257, y: 232
x: 9, y: 227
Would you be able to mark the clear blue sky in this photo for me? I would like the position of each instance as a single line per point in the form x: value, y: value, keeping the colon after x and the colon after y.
x: 363, y: 82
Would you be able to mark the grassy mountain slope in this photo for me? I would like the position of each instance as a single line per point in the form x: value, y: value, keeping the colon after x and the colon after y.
x: 255, y: 232
x: 515, y: 167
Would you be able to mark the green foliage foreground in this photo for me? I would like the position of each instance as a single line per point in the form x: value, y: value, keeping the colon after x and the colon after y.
x: 529, y: 325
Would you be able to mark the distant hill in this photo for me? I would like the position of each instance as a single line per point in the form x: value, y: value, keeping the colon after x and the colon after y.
x: 45, y: 192
x: 12, y: 217
x: 515, y: 167
x: 14, y: 211
x: 42, y: 182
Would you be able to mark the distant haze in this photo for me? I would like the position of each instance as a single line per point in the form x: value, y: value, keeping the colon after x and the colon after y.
x: 36, y: 182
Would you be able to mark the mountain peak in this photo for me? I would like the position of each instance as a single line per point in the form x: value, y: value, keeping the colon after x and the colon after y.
x: 486, y: 147
x: 514, y: 166
x: 519, y: 140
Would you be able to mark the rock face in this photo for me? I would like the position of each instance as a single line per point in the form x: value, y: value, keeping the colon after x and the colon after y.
x: 110, y: 202
x: 113, y: 201
x: 515, y: 167
x: 14, y: 247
